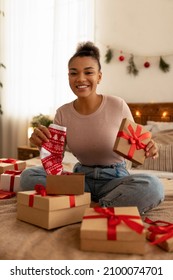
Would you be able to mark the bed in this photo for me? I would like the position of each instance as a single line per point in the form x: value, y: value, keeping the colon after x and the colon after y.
x: 24, y: 241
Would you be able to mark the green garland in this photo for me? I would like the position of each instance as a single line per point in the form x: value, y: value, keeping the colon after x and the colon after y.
x: 131, y: 68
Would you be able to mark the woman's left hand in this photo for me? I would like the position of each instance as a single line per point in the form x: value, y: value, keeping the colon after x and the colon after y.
x: 151, y: 150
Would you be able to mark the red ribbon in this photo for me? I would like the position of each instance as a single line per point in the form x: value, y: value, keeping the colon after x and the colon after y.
x: 10, y: 160
x: 166, y: 230
x: 40, y: 190
x: 13, y: 173
x: 134, y: 138
x: 72, y: 201
x: 113, y: 220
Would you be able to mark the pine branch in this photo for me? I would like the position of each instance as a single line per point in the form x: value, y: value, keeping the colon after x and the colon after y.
x: 108, y: 55
x: 2, y: 65
x: 165, y: 67
x: 131, y: 68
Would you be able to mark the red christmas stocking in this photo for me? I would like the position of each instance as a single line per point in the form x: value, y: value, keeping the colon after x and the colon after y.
x: 51, y: 152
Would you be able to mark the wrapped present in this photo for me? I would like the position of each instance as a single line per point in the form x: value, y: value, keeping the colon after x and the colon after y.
x: 115, y: 230
x: 131, y: 141
x: 51, y: 211
x: 10, y: 180
x: 160, y: 233
x: 72, y: 183
x: 11, y: 164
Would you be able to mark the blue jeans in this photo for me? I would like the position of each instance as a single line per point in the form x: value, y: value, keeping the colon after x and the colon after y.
x: 111, y: 186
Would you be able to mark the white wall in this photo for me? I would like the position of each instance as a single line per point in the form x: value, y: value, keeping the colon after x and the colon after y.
x: 144, y: 28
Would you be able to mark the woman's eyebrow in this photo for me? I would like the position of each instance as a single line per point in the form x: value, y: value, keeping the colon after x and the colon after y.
x: 86, y: 68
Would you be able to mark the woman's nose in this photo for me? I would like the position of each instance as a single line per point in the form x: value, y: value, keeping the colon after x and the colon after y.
x: 80, y: 77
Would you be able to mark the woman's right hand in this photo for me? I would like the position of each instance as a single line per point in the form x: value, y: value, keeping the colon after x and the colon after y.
x: 40, y: 134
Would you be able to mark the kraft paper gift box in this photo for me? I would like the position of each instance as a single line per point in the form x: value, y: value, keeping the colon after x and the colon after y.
x: 160, y: 233
x: 51, y: 211
x: 131, y: 141
x: 11, y: 164
x: 10, y: 180
x: 73, y: 183
x: 114, y: 230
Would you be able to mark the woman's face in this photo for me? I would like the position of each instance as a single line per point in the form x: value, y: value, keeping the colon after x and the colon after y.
x: 84, y: 75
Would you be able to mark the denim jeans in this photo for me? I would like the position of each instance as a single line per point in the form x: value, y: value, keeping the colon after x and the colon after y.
x: 111, y: 186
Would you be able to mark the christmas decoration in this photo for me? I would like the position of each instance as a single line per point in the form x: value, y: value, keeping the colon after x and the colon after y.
x: 131, y: 68
x: 121, y: 58
x: 146, y: 64
x: 165, y: 67
x: 134, y: 67
x: 108, y: 55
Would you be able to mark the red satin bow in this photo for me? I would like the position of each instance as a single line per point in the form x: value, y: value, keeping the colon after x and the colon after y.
x: 13, y: 173
x: 134, y: 138
x: 10, y: 160
x: 166, y: 230
x: 113, y: 220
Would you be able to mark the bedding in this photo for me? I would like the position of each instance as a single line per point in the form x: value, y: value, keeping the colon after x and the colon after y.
x: 24, y: 241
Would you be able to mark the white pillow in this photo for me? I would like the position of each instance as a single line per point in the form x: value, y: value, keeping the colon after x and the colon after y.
x: 148, y: 127
x: 158, y: 126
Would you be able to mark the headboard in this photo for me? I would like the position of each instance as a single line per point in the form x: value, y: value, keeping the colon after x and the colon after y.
x: 159, y: 112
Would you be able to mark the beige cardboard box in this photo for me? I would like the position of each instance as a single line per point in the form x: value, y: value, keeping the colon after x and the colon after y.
x: 65, y: 184
x: 131, y: 140
x: 10, y: 180
x: 51, y: 211
x: 97, y: 234
x: 11, y: 164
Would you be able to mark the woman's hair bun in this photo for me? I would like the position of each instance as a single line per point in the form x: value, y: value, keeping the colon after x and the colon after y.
x: 88, y: 48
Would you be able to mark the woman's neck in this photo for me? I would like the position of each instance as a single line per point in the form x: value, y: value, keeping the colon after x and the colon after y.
x: 87, y: 106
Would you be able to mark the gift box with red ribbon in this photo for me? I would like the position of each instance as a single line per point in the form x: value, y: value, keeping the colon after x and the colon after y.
x: 131, y: 141
x: 114, y: 230
x: 50, y: 211
x: 11, y: 164
x: 10, y: 180
x: 160, y: 233
x: 72, y: 183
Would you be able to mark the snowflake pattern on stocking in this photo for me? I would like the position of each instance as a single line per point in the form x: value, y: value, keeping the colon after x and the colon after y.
x: 53, y: 150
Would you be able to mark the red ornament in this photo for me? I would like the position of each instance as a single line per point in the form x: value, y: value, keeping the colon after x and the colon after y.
x: 146, y: 64
x: 121, y: 58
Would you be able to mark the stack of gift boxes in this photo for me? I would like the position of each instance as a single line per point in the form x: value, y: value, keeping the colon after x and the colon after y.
x: 63, y: 202
x: 10, y: 171
x: 53, y: 207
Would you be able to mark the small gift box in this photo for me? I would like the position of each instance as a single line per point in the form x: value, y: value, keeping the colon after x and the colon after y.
x: 72, y: 183
x: 38, y: 208
x: 131, y: 141
x: 115, y: 230
x: 11, y: 164
x: 160, y: 233
x: 10, y: 180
